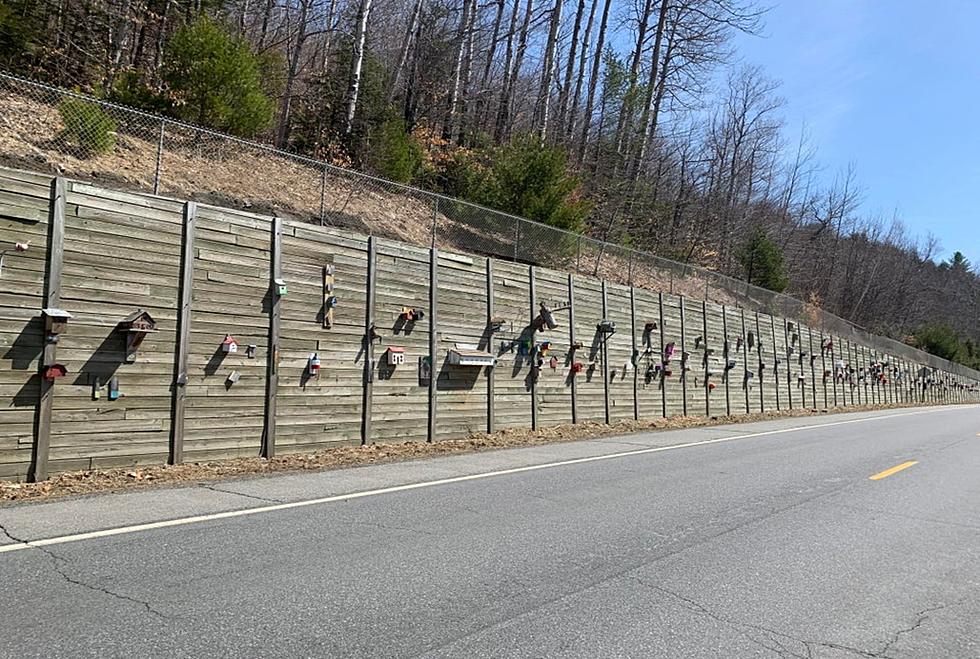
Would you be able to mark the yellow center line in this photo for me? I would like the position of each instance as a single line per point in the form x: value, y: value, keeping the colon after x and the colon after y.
x: 894, y: 470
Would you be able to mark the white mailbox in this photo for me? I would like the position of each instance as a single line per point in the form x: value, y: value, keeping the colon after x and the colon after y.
x: 460, y: 356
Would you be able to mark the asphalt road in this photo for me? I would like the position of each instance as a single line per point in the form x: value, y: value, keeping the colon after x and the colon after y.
x: 699, y: 543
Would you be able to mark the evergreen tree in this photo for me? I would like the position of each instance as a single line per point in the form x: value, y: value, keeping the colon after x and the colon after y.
x: 216, y: 79
x: 762, y: 261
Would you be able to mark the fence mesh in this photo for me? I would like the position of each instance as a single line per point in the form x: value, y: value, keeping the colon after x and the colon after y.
x: 67, y: 133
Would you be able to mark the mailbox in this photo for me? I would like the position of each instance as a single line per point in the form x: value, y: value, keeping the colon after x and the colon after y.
x: 136, y: 326
x: 460, y: 356
x: 55, y: 320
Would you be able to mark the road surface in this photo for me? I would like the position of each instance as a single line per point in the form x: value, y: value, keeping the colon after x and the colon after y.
x: 853, y: 535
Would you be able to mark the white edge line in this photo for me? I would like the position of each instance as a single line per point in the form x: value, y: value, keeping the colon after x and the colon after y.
x: 183, y: 521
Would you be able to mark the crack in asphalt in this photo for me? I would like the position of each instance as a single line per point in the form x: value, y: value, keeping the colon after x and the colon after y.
x: 920, y: 619
x: 215, y: 488
x: 56, y: 564
x: 740, y: 626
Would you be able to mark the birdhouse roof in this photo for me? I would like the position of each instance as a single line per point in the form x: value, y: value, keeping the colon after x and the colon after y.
x: 230, y: 339
x: 137, y: 315
x: 55, y: 313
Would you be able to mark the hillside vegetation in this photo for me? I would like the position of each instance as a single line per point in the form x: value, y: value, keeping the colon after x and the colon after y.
x: 603, y: 116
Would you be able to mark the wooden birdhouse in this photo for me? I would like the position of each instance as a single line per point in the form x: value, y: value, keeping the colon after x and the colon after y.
x: 55, y: 320
x: 396, y: 355
x: 136, y: 326
x: 229, y: 346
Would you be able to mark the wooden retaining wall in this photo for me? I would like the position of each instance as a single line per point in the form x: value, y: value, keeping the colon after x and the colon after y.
x: 205, y: 274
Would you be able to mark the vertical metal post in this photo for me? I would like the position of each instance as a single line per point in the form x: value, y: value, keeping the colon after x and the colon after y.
x: 323, y: 194
x: 159, y: 164
x: 517, y: 237
x: 433, y: 339
x: 604, y: 351
x: 372, y: 275
x: 571, y: 341
x: 272, y: 365
x: 435, y: 221
x: 179, y: 393
x: 52, y: 299
x: 533, y: 352
x: 491, y: 417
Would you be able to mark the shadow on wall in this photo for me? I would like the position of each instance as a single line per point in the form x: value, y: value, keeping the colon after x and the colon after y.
x: 27, y: 346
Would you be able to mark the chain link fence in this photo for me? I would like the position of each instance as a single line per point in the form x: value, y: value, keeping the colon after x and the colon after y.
x: 63, y: 132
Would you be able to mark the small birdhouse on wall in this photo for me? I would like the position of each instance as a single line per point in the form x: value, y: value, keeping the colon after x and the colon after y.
x: 279, y: 285
x: 229, y: 346
x: 55, y: 320
x: 136, y: 326
x: 396, y: 355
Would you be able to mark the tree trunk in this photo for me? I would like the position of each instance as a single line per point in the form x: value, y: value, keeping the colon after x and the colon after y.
x: 484, y: 91
x: 287, y: 99
x: 508, y: 71
x: 266, y: 17
x: 594, y: 79
x: 357, y: 62
x: 504, y: 116
x: 449, y: 125
x: 580, y: 78
x: 626, y: 111
x: 406, y: 46
x: 650, y: 110
x: 570, y: 66
x: 548, y: 72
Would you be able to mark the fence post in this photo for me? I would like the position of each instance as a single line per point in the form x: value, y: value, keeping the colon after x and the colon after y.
x: 684, y: 361
x: 435, y: 216
x: 159, y: 164
x: 179, y: 395
x: 52, y: 297
x: 272, y: 367
x: 517, y: 237
x: 604, y: 353
x: 634, y: 360
x: 491, y: 420
x: 433, y: 340
x: 369, y: 344
x: 534, y: 366
x: 571, y: 342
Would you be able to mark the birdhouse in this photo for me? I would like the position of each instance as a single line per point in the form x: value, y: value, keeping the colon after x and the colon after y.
x: 577, y: 367
x: 136, y: 326
x: 553, y: 362
x: 313, y: 365
x: 751, y: 340
x: 229, y: 346
x: 544, y: 348
x: 55, y: 371
x: 650, y: 326
x: 55, y: 320
x: 711, y: 386
x: 496, y: 324
x: 280, y: 287
x: 396, y: 355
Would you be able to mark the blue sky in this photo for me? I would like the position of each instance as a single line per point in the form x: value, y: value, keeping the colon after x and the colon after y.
x: 892, y: 86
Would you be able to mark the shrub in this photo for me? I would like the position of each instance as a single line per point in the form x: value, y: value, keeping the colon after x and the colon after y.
x: 87, y: 126
x: 394, y: 154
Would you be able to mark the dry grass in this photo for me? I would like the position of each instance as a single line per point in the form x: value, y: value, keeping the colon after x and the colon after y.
x: 127, y: 479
